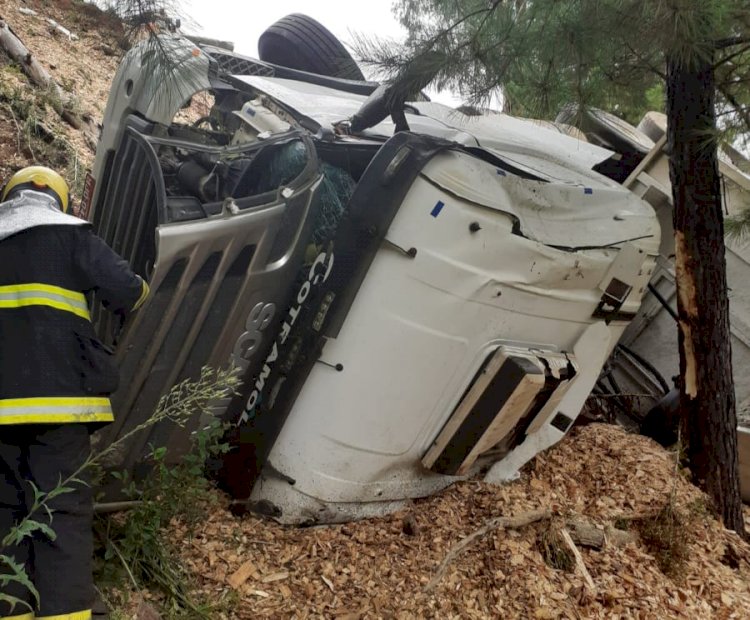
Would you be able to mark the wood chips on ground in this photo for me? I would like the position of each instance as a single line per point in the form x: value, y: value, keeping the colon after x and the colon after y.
x: 373, y: 569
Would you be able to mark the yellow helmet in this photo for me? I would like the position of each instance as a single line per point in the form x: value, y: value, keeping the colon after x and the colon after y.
x: 41, y: 179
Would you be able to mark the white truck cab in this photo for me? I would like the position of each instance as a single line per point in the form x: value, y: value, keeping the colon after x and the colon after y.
x: 408, y: 305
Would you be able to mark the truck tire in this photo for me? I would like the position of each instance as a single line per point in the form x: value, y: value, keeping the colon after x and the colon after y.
x: 299, y: 42
x: 607, y: 130
x: 613, y: 133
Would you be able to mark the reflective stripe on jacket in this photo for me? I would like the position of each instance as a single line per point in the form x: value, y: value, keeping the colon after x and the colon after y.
x: 76, y: 615
x: 53, y: 366
x: 60, y: 409
x: 37, y: 294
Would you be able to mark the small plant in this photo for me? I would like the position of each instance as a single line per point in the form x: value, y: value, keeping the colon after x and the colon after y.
x: 11, y: 572
x: 622, y: 523
x: 68, y: 83
x: 134, y: 547
x: 664, y: 536
x: 135, y: 543
x: 665, y: 533
x: 702, y: 508
x: 37, y: 138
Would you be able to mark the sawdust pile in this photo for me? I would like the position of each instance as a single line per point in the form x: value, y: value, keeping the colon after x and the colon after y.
x: 380, y: 568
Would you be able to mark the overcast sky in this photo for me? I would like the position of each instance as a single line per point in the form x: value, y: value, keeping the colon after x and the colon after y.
x: 243, y: 21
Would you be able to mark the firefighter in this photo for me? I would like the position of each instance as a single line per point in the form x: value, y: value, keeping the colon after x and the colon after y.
x: 55, y: 378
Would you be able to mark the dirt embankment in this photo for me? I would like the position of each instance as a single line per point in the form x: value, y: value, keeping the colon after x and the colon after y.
x: 31, y: 131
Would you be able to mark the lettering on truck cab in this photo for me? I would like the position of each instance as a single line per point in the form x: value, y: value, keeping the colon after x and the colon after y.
x: 318, y: 273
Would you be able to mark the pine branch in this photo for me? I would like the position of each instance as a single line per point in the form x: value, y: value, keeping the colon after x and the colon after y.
x: 738, y: 226
x: 731, y: 42
x: 726, y: 59
x: 488, y: 11
x: 741, y: 110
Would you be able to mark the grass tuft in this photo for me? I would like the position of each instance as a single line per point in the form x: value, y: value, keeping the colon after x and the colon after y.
x: 665, y: 536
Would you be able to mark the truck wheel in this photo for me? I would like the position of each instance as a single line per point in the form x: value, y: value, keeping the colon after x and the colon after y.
x: 613, y: 133
x: 607, y: 130
x: 299, y: 42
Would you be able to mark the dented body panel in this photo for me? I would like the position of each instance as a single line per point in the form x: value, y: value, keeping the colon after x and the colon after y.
x: 418, y: 333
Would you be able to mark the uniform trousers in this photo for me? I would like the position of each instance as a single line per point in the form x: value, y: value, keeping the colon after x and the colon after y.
x: 41, y: 456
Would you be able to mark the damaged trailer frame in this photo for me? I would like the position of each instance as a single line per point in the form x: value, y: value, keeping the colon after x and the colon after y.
x: 651, y: 355
x: 407, y: 307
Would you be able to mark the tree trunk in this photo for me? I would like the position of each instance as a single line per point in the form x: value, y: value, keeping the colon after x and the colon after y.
x: 707, y: 402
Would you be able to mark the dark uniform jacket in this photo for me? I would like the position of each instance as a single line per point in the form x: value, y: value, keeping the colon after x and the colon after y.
x: 53, y: 368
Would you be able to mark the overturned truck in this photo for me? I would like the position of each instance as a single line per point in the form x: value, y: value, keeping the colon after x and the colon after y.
x: 412, y: 296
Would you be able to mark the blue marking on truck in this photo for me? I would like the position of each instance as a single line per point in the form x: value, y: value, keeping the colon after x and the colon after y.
x: 437, y: 208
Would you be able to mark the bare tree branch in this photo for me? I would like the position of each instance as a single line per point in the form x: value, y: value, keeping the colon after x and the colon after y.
x: 731, y: 42
x: 516, y: 522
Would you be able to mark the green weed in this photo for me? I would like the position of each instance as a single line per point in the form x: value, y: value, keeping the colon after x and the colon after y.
x: 185, y: 400
x: 665, y: 536
x: 134, y: 546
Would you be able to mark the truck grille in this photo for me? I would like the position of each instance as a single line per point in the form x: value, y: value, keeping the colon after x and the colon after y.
x: 206, y: 276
